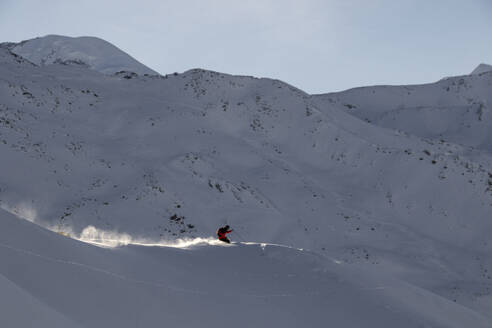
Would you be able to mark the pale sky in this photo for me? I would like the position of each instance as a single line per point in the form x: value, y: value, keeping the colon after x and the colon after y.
x: 318, y: 46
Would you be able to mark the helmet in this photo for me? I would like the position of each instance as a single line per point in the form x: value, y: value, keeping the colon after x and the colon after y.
x: 227, y: 227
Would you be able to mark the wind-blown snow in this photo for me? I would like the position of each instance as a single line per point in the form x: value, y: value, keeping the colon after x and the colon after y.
x: 92, y: 52
x: 392, y: 183
x: 100, y: 237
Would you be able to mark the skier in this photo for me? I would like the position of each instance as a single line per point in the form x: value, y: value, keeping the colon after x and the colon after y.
x: 222, y: 232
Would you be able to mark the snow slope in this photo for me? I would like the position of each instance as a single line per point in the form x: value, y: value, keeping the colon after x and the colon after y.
x: 74, y: 284
x: 156, y: 158
x: 21, y: 309
x: 91, y: 52
x: 456, y: 109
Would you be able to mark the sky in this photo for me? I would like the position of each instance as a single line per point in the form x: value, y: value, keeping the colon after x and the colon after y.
x: 316, y: 45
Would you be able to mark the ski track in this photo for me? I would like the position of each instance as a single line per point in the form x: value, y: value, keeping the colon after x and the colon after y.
x: 150, y: 283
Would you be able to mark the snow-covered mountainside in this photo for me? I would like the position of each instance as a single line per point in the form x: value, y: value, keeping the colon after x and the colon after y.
x: 91, y: 52
x: 455, y: 109
x: 78, y: 285
x: 156, y: 158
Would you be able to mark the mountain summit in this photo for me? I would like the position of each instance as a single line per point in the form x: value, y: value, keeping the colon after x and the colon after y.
x: 92, y: 52
x: 482, y: 68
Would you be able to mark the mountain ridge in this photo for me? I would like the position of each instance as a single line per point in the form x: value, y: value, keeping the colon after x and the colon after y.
x: 95, y: 53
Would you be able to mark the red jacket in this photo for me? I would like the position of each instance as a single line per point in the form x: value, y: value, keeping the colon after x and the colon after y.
x: 221, y: 233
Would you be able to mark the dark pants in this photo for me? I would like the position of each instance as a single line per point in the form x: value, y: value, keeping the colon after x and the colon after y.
x: 225, y: 240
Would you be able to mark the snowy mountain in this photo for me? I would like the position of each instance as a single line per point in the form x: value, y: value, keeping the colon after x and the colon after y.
x: 91, y: 52
x: 456, y: 109
x: 393, y: 216
x: 482, y: 68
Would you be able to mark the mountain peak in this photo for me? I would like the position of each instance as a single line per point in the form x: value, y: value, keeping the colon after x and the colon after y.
x: 95, y: 53
x: 482, y: 68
